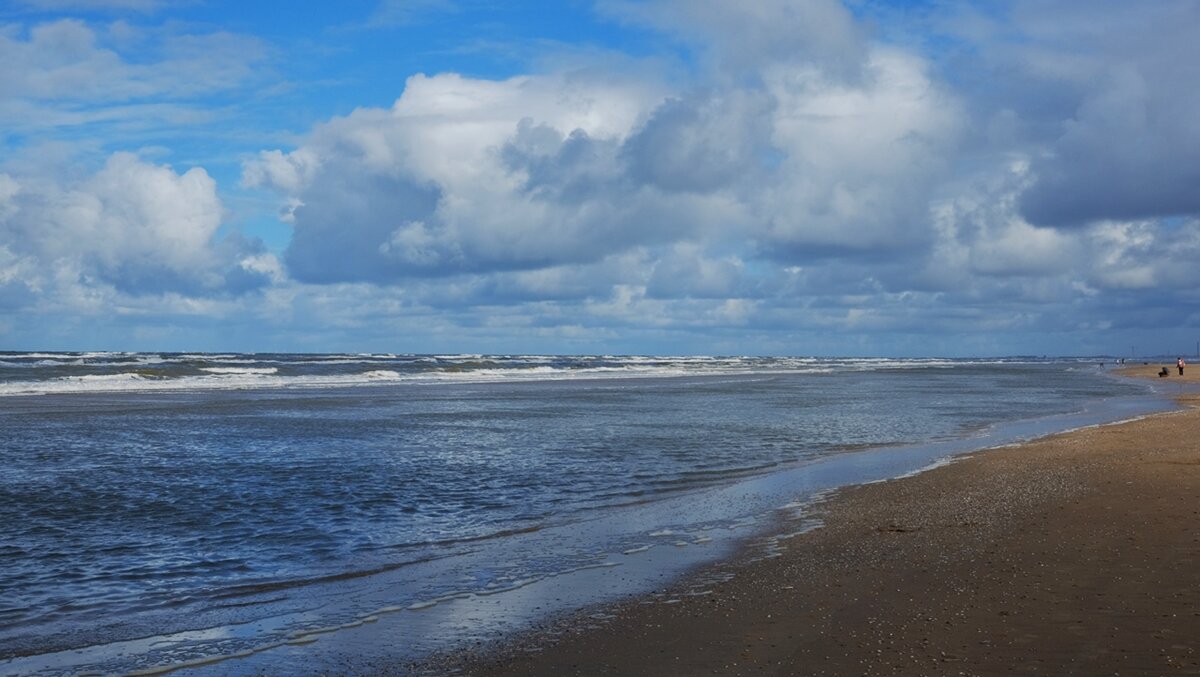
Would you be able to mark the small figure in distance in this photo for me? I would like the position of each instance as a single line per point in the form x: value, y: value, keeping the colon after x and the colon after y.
x: 1164, y: 373
x: 1181, y: 364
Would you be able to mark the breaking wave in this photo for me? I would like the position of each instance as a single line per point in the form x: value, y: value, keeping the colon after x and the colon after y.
x: 57, y: 373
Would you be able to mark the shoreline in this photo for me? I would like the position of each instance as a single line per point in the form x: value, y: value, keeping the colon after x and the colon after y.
x: 1074, y: 553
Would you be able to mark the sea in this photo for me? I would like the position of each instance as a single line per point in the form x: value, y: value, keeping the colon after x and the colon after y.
x: 305, y: 513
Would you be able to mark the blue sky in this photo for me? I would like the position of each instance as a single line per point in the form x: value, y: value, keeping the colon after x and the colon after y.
x: 601, y: 176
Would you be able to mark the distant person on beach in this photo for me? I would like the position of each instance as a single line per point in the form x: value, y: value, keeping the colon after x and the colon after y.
x: 1180, y: 363
x: 1164, y: 372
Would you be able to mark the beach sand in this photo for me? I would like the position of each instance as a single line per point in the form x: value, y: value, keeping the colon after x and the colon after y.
x: 1078, y: 554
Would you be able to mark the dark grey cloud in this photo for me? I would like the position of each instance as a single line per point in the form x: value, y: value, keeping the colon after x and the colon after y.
x: 344, y: 229
x: 707, y: 142
x: 567, y: 170
x: 16, y: 294
x: 1131, y: 150
x: 1099, y: 95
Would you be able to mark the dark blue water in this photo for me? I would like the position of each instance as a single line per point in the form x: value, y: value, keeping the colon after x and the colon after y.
x: 232, y: 489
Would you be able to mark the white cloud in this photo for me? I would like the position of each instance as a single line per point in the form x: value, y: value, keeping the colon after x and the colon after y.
x: 1101, y: 93
x: 801, y: 174
x: 391, y: 13
x: 64, y: 74
x: 290, y: 173
x: 596, y: 200
x: 8, y: 193
x: 686, y: 272
x: 67, y: 60
x: 136, y: 226
x: 740, y: 38
x: 465, y: 175
x: 860, y: 160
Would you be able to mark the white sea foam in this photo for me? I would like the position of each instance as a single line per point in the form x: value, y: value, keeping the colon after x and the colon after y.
x: 58, y: 362
x: 383, y: 375
x: 227, y: 370
x: 240, y: 378
x: 123, y: 377
x: 231, y: 378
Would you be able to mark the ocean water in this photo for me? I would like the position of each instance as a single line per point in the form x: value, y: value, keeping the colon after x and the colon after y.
x: 159, y: 510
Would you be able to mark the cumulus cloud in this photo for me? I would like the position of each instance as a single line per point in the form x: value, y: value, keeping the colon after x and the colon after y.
x: 704, y: 141
x: 861, y: 160
x: 465, y: 175
x: 1127, y: 153
x: 796, y: 170
x: 468, y: 176
x: 136, y: 226
x: 17, y: 275
x: 1099, y: 95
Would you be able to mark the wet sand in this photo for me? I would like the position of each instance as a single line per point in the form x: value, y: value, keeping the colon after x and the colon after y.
x: 1078, y: 554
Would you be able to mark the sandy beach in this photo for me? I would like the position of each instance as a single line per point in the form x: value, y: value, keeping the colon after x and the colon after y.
x: 1077, y: 554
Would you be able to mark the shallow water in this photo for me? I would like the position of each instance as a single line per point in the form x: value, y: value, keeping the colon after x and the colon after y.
x: 232, y: 510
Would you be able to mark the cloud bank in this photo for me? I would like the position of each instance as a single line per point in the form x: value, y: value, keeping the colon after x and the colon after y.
x: 792, y: 176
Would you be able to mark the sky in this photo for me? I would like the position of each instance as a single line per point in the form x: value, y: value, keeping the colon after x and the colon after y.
x: 781, y: 177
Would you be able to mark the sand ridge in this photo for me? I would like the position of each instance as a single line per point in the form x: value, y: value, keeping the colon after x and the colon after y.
x: 1077, y: 554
